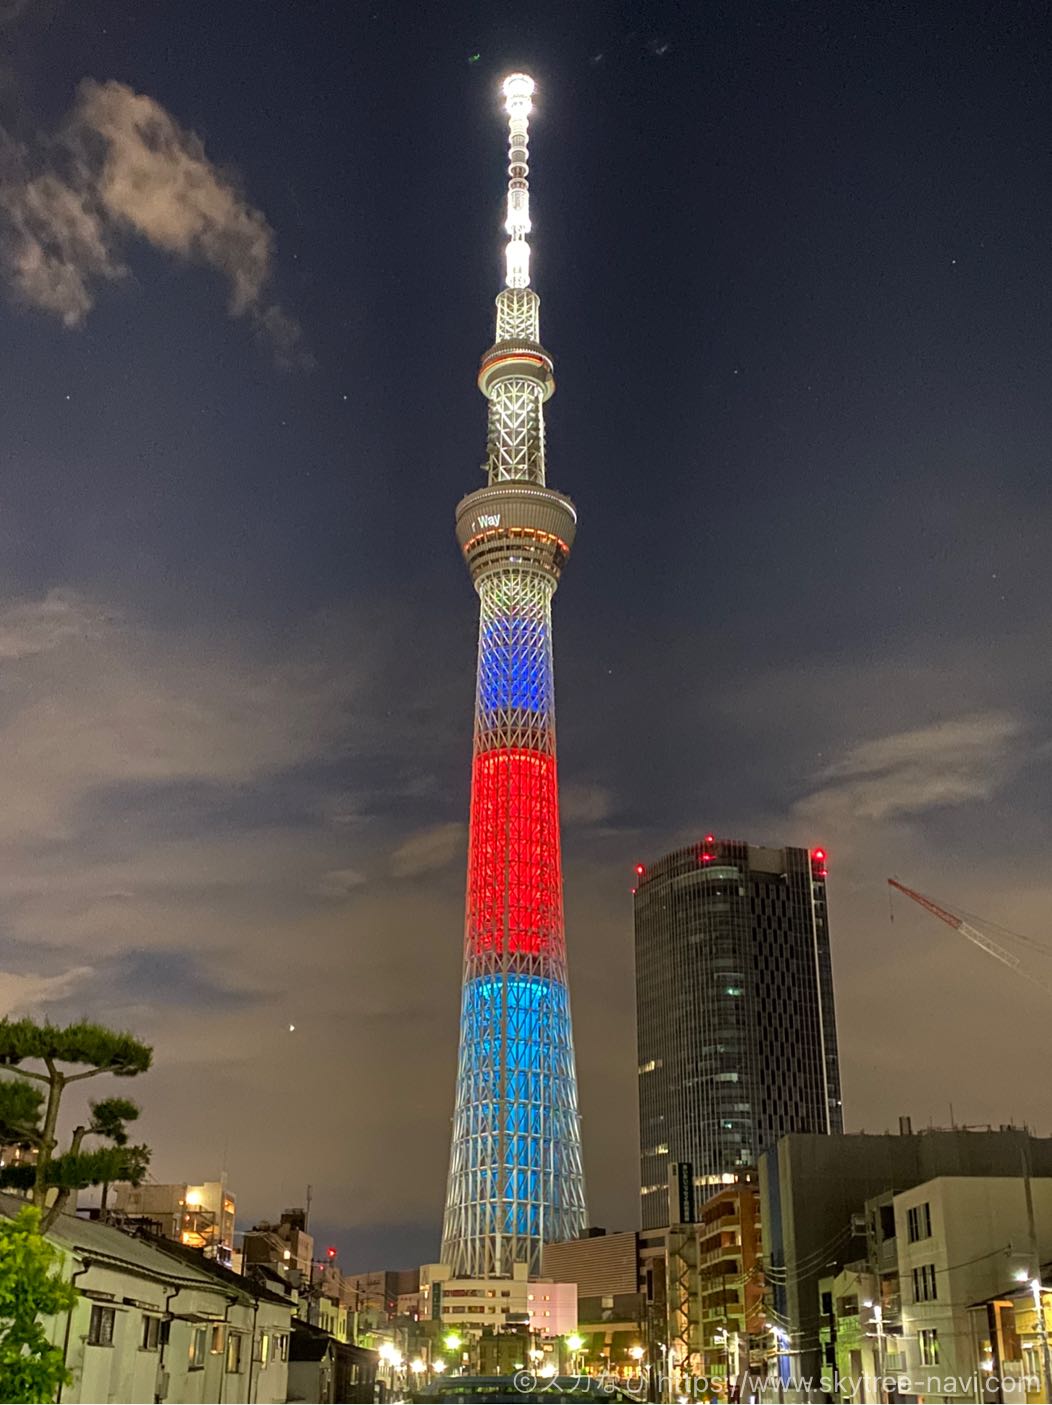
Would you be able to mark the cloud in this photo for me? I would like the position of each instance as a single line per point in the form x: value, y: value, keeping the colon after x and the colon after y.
x: 585, y: 804
x: 911, y: 772
x: 22, y: 994
x: 428, y: 850
x: 122, y: 165
x: 337, y: 883
x: 92, y: 703
x: 37, y: 626
x: 11, y: 10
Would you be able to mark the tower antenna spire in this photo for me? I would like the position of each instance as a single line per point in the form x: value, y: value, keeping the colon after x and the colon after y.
x: 518, y: 100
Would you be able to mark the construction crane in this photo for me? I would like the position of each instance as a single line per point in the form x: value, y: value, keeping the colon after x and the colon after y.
x: 966, y: 929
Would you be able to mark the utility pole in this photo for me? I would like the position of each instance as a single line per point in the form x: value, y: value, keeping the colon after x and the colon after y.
x: 878, y: 1318
x: 1035, y: 1270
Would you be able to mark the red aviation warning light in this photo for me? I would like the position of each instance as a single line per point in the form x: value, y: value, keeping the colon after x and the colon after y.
x: 640, y: 870
x: 818, y: 863
x: 330, y: 1252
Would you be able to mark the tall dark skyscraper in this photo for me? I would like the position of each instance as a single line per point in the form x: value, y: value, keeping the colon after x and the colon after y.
x: 736, y: 1027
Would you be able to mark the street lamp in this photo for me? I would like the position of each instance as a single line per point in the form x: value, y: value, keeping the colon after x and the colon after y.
x: 391, y: 1357
x: 438, y: 1365
x: 451, y: 1342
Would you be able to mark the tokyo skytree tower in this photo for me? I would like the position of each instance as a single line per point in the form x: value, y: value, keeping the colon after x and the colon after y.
x: 515, y: 1177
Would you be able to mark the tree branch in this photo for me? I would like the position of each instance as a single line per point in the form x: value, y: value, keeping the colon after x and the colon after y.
x: 20, y: 1072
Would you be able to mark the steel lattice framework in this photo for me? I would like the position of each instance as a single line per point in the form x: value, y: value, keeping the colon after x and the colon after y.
x: 515, y: 1178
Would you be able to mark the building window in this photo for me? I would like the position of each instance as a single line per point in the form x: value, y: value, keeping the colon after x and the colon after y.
x: 198, y: 1348
x: 924, y: 1284
x: 263, y: 1348
x: 151, y: 1334
x: 100, y: 1328
x: 233, y: 1352
x: 281, y: 1347
x: 929, y: 1346
x: 918, y: 1222
x: 218, y: 1332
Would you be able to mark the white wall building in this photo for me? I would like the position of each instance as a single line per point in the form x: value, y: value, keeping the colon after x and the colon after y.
x: 474, y: 1303
x: 154, y: 1325
x: 960, y: 1240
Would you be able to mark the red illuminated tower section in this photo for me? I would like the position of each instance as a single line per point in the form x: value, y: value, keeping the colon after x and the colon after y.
x: 515, y: 1178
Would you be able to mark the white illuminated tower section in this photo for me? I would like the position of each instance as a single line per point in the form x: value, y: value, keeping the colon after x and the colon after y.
x: 515, y: 1178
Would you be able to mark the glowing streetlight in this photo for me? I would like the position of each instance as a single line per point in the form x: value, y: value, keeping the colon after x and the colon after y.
x: 418, y: 1366
x: 574, y: 1341
x: 438, y: 1365
x: 451, y: 1342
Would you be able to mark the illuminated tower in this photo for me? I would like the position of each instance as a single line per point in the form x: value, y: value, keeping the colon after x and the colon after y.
x: 515, y: 1178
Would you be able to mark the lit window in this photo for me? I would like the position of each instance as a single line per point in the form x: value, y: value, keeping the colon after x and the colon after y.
x: 217, y: 1339
x: 233, y: 1352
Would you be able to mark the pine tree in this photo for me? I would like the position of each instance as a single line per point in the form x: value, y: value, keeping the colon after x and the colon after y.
x: 31, y: 1287
x: 29, y: 1113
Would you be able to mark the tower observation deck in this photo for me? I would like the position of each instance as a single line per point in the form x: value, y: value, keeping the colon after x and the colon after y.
x: 515, y: 1177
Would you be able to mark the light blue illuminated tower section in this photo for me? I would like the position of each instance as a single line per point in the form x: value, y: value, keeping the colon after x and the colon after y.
x: 515, y: 1177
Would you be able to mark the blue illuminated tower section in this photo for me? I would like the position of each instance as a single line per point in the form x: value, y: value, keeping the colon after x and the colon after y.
x: 515, y: 1178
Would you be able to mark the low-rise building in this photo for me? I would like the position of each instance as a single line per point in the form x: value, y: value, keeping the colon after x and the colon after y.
x: 199, y: 1216
x: 908, y: 1310
x: 375, y: 1296
x: 473, y: 1303
x: 323, y: 1371
x: 285, y: 1245
x: 730, y: 1283
x: 157, y: 1322
x: 613, y: 1306
x: 1012, y: 1341
x: 813, y: 1195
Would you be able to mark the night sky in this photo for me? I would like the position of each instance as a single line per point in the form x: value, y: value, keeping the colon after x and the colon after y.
x: 794, y: 261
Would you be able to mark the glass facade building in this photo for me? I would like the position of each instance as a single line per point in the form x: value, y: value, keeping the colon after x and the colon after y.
x: 736, y: 1027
